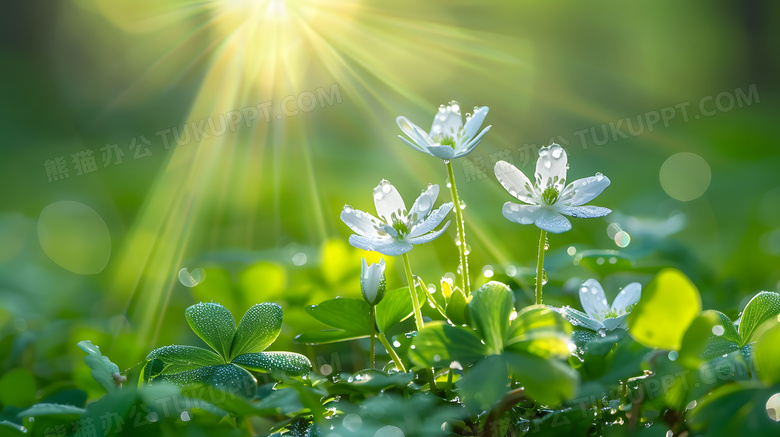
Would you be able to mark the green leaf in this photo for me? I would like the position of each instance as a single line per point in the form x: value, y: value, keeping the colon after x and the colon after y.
x: 177, y: 358
x: 395, y: 308
x: 103, y: 370
x: 214, y: 324
x: 457, y: 308
x: 734, y: 410
x: 761, y: 308
x: 438, y: 344
x: 229, y: 378
x: 485, y: 383
x: 12, y: 429
x: 539, y: 331
x: 549, y: 382
x: 669, y: 304
x: 278, y: 364
x: 767, y: 352
x: 490, y: 308
x: 259, y: 327
x: 348, y: 314
x: 328, y: 336
x: 370, y: 381
x: 711, y: 334
x: 59, y: 410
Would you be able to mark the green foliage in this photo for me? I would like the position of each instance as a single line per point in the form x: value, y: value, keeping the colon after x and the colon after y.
x: 238, y: 350
x: 668, y: 306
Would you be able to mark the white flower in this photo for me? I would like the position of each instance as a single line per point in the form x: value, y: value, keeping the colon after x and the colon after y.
x: 598, y: 314
x: 550, y: 197
x: 449, y: 138
x: 372, y: 281
x: 395, y: 231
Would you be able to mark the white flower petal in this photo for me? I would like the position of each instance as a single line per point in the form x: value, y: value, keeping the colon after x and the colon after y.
x: 628, y: 296
x: 578, y: 318
x: 384, y: 245
x: 551, y: 168
x: 447, y: 121
x: 473, y: 124
x: 549, y: 220
x: 616, y: 322
x: 515, y: 181
x: 370, y: 279
x: 593, y: 299
x: 584, y: 190
x: 430, y: 222
x: 413, y: 146
x: 465, y: 148
x: 388, y: 202
x: 423, y: 205
x: 430, y: 236
x: 586, y: 211
x: 442, y: 152
x: 523, y: 214
x: 360, y: 222
x: 415, y: 133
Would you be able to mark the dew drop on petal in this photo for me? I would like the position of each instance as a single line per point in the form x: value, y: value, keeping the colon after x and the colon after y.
x: 447, y: 161
x: 348, y: 209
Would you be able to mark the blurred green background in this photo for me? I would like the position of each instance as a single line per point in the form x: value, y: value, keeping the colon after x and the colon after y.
x: 129, y: 98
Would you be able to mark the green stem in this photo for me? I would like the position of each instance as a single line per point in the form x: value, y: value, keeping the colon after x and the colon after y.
x: 540, y: 267
x: 413, y: 290
x: 464, y: 261
x: 396, y: 359
x: 431, y: 299
x: 372, y: 316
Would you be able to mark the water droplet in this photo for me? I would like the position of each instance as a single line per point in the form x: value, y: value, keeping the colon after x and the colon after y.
x: 557, y: 152
x: 718, y: 330
x: 299, y: 259
x: 544, y: 277
x: 348, y: 209
x: 511, y: 270
x: 447, y: 161
x: 673, y: 355
x: 571, y: 250
x: 612, y: 260
x: 487, y: 271
x: 396, y: 343
x: 462, y: 205
x: 467, y: 251
x: 600, y: 260
x: 386, y: 187
x: 191, y: 279
x: 622, y: 239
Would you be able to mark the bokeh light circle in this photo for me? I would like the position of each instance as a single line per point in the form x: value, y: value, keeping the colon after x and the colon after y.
x: 685, y: 176
x: 75, y: 237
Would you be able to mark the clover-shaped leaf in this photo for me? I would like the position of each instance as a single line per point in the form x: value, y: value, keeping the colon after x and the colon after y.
x: 238, y: 351
x: 258, y: 328
x: 214, y: 324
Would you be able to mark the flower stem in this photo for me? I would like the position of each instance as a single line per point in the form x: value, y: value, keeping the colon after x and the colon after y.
x: 464, y: 261
x: 372, y: 316
x: 540, y: 267
x: 396, y: 359
x: 413, y: 290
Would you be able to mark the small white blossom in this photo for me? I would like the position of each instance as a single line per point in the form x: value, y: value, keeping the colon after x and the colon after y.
x: 449, y: 138
x: 395, y: 231
x: 550, y: 197
x: 598, y: 314
x: 372, y: 281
